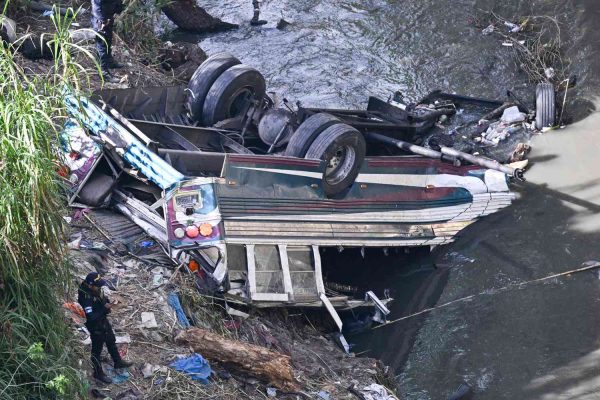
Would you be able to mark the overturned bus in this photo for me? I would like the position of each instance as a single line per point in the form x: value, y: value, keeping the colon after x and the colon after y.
x: 250, y: 193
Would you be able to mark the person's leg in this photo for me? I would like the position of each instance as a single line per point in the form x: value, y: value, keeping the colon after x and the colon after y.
x: 101, y: 42
x: 111, y: 62
x: 97, y: 344
x: 102, y: 28
x: 255, y: 18
x: 111, y: 346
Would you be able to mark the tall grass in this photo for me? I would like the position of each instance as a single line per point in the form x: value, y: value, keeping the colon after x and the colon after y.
x: 35, y: 353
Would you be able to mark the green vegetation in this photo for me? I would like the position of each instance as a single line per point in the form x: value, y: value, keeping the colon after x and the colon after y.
x: 36, y: 359
x: 135, y: 25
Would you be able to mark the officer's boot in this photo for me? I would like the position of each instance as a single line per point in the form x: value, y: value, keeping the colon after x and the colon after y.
x: 107, y: 76
x: 116, y: 357
x: 98, y: 372
x: 255, y: 19
x: 111, y: 62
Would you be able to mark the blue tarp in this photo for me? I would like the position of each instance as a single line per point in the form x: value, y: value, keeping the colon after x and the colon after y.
x: 173, y: 301
x: 195, y: 366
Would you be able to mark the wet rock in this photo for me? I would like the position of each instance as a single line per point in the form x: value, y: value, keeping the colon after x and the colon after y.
x: 282, y: 24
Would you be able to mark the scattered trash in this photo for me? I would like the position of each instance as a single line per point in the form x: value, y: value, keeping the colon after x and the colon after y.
x: 271, y: 392
x: 376, y: 392
x: 149, y: 320
x: 149, y: 369
x: 520, y: 152
x: 75, y: 308
x: 512, y: 115
x: 74, y: 244
x: 195, y: 366
x: 147, y: 243
x: 173, y: 301
x: 507, y: 44
x: 488, y: 30
x: 157, y: 278
x: 513, y: 28
x: 118, y: 375
x: 125, y: 338
x: 48, y: 13
x: 549, y: 72
x: 324, y: 395
x: 497, y: 132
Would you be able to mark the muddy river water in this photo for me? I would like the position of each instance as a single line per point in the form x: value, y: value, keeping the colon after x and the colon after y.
x: 541, y: 341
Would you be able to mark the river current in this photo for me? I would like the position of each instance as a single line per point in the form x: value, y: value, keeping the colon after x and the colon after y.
x: 540, y: 341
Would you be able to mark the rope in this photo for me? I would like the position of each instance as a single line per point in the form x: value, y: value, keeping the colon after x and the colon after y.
x: 593, y: 266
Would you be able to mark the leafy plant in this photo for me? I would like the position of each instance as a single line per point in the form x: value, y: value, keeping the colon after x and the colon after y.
x: 35, y: 349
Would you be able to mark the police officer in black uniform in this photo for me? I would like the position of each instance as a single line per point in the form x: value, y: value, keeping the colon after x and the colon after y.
x: 96, y: 308
x: 103, y: 19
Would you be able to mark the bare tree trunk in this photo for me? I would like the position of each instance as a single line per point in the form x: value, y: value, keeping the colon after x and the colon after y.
x: 188, y: 16
x: 254, y: 360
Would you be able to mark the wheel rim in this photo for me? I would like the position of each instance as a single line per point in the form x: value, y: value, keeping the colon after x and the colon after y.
x: 340, y: 164
x: 241, y: 99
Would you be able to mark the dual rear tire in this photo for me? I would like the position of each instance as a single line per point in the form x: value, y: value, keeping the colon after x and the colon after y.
x: 324, y: 137
x: 223, y: 88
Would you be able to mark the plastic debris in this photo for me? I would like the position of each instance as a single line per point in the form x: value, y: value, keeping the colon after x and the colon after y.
x: 195, y: 366
x: 173, y: 301
x: 271, y: 392
x: 376, y: 392
x: 118, y: 375
x: 123, y: 338
x: 488, y: 30
x: 149, y: 369
x: 512, y: 115
x: 513, y: 28
x: 549, y: 72
x: 157, y: 279
x: 324, y: 395
x: 75, y: 308
x: 520, y: 152
x: 149, y: 320
x: 147, y: 243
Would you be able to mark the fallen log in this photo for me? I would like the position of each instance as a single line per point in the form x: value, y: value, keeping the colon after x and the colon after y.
x: 257, y: 361
x: 187, y: 15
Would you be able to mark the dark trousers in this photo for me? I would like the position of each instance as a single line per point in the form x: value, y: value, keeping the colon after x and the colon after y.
x: 104, y: 28
x: 103, y: 334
